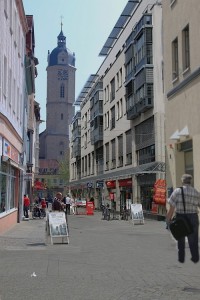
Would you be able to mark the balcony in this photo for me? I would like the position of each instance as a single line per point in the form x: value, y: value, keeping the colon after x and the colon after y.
x: 77, y: 150
x: 144, y: 104
x: 97, y: 135
x: 76, y: 133
x: 99, y: 167
x: 132, y: 113
x: 97, y: 109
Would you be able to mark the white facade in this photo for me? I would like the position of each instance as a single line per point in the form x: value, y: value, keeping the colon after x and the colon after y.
x: 119, y: 147
x: 13, y: 31
x: 182, y: 88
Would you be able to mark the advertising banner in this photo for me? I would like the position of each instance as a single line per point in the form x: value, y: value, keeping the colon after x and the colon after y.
x: 57, y: 224
x: 137, y: 213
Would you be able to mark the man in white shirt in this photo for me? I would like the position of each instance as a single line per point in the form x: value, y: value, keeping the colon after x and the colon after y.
x: 68, y: 203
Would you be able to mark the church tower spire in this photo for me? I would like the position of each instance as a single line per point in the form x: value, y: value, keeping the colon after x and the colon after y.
x: 61, y: 39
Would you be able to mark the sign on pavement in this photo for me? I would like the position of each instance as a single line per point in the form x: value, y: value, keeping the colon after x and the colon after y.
x: 58, y: 226
x: 137, y: 213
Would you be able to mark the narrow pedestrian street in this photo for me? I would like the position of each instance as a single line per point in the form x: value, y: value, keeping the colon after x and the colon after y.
x: 112, y: 260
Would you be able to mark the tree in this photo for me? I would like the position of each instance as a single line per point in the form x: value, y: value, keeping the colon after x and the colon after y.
x: 64, y: 171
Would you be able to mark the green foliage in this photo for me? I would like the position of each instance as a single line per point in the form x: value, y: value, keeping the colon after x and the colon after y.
x: 64, y: 170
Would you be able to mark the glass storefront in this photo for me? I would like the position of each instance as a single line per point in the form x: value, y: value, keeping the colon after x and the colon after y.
x: 7, y: 187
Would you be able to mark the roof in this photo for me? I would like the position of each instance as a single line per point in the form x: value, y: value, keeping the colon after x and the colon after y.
x: 119, y: 27
x: 89, y: 83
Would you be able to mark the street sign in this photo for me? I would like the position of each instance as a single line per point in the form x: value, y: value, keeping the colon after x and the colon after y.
x: 28, y: 176
x: 99, y: 184
x: 89, y: 185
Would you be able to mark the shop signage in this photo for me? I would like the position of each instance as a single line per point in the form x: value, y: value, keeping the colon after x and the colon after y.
x: 111, y: 184
x: 159, y: 196
x: 89, y: 185
x: 10, y: 152
x: 6, y: 149
x: 125, y: 182
x: 99, y: 184
x: 28, y: 176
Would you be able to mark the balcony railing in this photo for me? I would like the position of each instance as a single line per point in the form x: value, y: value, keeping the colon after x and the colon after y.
x: 97, y: 134
x: 76, y: 133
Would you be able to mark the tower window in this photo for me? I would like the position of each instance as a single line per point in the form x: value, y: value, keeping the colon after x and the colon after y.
x: 61, y: 116
x: 62, y: 91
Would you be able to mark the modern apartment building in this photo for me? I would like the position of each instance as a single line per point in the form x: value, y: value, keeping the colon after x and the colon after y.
x: 121, y: 117
x: 182, y: 88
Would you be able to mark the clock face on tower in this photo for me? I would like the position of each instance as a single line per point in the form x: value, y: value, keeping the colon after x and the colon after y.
x: 62, y: 74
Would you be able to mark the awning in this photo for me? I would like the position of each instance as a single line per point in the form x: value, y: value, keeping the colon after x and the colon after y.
x: 149, y: 168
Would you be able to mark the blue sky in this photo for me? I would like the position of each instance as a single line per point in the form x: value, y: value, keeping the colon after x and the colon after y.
x: 86, y: 25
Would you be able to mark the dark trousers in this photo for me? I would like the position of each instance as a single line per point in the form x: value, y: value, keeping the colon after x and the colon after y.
x: 193, y: 240
x: 68, y: 209
x: 26, y: 211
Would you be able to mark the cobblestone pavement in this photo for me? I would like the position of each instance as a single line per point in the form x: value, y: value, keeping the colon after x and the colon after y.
x: 111, y: 260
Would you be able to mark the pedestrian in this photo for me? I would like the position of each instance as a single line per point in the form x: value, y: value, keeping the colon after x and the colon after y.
x: 57, y: 203
x: 26, y: 206
x: 68, y: 203
x: 72, y: 206
x: 192, y: 203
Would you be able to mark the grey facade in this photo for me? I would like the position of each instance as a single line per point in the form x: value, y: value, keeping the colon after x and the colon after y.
x: 54, y: 141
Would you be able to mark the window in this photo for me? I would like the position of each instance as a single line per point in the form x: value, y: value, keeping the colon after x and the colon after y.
x: 120, y: 77
x: 120, y: 150
x: 107, y: 156
x: 113, y: 154
x: 108, y: 120
x: 62, y: 91
x: 112, y: 87
x: 120, y: 108
x: 112, y: 122
x: 175, y: 72
x: 61, y: 116
x: 186, y: 48
x: 128, y: 147
x: 117, y: 116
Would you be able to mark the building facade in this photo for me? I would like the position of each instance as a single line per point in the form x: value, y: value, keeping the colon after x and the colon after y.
x: 17, y: 63
x: 121, y: 119
x: 182, y: 84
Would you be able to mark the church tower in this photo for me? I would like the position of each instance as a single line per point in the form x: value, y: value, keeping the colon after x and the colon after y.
x: 54, y: 141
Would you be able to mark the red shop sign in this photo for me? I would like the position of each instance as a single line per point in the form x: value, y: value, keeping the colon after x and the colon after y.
x: 126, y: 182
x: 111, y: 184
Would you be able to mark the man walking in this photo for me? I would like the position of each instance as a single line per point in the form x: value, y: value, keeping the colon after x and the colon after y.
x: 26, y: 206
x: 68, y: 203
x: 192, y: 203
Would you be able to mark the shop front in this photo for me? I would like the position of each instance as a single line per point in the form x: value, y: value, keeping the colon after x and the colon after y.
x: 125, y: 187
x: 110, y: 196
x: 10, y: 186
